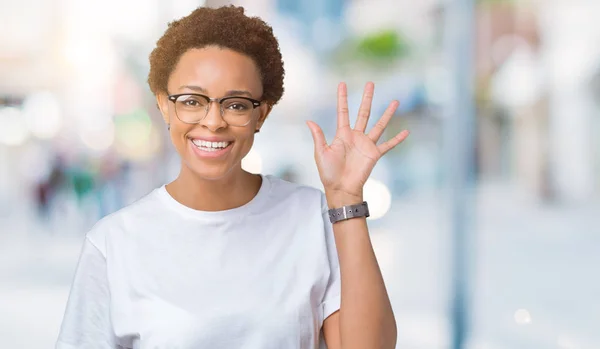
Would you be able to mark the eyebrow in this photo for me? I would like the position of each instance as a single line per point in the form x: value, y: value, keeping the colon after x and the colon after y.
x: 228, y: 94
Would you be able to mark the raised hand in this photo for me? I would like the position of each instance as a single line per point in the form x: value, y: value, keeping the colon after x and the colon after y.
x: 346, y: 164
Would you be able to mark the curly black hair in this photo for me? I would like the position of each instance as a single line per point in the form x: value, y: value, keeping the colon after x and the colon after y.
x: 226, y: 27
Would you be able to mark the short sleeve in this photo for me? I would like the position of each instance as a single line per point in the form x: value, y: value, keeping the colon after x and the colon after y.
x: 86, y: 322
x: 332, y: 297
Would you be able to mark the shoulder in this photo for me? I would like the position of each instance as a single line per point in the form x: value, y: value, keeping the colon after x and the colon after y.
x: 296, y: 194
x: 141, y: 210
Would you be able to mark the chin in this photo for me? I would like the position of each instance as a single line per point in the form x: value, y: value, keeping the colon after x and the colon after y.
x: 208, y: 171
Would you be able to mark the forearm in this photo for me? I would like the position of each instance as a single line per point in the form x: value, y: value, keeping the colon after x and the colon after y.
x: 366, y: 317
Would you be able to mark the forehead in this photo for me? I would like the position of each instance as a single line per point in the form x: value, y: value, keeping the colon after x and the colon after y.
x: 217, y: 70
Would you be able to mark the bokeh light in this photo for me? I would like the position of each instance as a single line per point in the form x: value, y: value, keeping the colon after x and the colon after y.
x: 522, y: 317
x: 13, y: 129
x: 43, y: 114
x: 379, y: 197
x: 136, y: 138
x: 98, y: 139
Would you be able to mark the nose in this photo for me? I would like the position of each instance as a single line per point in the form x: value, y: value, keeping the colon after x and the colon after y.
x: 213, y: 119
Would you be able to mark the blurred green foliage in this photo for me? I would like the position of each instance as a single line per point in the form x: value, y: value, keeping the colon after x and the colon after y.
x: 373, y: 50
x: 384, y: 45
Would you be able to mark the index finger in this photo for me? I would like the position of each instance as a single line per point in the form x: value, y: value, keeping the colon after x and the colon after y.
x: 343, y: 118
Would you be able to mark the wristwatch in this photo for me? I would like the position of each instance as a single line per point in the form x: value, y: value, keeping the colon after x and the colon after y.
x: 347, y: 212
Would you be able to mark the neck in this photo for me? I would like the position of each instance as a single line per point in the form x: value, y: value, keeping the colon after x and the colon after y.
x: 233, y: 190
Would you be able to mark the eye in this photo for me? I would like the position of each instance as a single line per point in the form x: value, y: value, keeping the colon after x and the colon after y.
x: 237, y: 106
x: 191, y: 103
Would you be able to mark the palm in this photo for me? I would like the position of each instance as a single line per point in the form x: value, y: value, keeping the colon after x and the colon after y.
x: 350, y: 158
x: 346, y: 163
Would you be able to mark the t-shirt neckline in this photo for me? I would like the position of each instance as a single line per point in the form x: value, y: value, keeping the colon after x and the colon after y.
x: 244, y: 210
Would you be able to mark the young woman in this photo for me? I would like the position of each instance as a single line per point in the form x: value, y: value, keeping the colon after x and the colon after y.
x: 222, y: 258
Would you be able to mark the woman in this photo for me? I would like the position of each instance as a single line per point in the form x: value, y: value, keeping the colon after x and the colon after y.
x: 221, y: 258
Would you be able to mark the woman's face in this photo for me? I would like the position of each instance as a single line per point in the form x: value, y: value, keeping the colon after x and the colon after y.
x: 214, y: 72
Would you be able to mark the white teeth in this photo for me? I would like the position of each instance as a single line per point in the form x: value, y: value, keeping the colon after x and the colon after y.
x: 210, y: 145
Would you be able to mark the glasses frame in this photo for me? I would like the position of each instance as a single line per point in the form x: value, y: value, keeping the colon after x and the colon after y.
x: 173, y: 98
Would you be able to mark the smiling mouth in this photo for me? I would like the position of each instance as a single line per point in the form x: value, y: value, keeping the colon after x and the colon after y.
x: 210, y: 146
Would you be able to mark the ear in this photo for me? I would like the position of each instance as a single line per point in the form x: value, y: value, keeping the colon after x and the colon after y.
x: 265, y: 110
x: 162, y: 102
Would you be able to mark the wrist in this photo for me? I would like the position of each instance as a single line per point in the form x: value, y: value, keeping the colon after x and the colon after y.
x: 336, y: 199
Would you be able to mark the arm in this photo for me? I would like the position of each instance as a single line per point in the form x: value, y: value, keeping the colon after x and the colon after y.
x: 365, y: 319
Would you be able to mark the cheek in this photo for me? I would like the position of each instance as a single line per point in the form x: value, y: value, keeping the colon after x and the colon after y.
x: 244, y: 145
x: 178, y: 135
x: 246, y: 140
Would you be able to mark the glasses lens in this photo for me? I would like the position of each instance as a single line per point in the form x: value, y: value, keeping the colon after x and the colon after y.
x: 237, y: 111
x: 190, y: 108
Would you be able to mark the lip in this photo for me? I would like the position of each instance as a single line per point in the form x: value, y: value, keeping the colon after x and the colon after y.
x: 209, y: 155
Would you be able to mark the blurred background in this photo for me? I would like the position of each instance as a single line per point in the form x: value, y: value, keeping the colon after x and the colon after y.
x: 507, y: 220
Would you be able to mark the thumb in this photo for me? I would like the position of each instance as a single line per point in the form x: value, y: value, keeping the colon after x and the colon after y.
x: 318, y: 136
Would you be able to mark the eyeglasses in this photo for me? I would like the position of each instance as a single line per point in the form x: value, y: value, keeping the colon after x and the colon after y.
x: 191, y: 108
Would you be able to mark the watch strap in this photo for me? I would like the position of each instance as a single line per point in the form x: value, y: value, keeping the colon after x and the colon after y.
x: 347, y: 212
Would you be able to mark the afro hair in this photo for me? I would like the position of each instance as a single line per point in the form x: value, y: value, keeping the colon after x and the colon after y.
x: 226, y: 27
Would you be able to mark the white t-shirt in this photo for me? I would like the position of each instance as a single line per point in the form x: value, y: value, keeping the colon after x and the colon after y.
x: 158, y: 274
